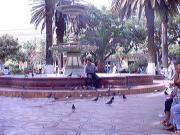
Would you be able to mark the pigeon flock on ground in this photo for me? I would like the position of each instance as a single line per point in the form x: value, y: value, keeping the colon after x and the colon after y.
x: 109, y: 102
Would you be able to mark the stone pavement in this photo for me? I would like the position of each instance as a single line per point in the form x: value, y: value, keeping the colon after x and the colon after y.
x: 138, y: 115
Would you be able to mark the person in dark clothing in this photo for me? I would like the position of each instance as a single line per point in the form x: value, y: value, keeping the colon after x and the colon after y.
x: 90, y: 70
x: 167, y: 108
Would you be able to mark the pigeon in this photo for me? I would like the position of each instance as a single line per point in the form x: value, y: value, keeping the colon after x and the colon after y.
x: 124, y: 96
x: 50, y: 95
x: 156, y: 90
x: 96, y: 99
x: 70, y: 74
x: 56, y: 98
x: 68, y: 97
x: 110, y: 101
x: 73, y: 108
x: 112, y: 98
x: 166, y: 93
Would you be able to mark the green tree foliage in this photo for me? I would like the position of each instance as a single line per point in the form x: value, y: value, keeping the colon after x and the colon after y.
x: 165, y: 8
x: 132, y: 35
x: 9, y: 47
x: 174, y: 50
x: 162, y: 7
x: 33, y: 52
x: 173, y: 36
x: 106, y: 32
x: 125, y: 8
x: 102, y: 32
x: 174, y: 30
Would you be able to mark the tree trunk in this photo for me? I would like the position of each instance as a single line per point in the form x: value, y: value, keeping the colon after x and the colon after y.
x: 101, y: 64
x: 49, y: 35
x: 164, y: 41
x: 2, y: 62
x: 149, y: 12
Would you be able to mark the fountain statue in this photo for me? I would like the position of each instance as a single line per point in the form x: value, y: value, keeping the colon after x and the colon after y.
x: 73, y: 47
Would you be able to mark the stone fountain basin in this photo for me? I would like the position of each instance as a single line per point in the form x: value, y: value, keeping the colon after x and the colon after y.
x: 56, y: 81
x: 74, y: 47
x: 72, y: 9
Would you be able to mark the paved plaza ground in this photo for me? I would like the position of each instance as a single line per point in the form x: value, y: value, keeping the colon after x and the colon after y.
x: 138, y: 115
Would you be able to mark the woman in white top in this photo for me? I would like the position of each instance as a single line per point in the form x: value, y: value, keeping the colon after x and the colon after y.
x: 114, y: 70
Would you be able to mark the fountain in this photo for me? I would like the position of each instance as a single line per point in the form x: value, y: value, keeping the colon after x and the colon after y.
x: 58, y: 85
x: 73, y: 47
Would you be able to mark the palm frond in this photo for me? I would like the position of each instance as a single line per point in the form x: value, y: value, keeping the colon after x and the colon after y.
x: 124, y: 8
x: 38, y: 13
x: 159, y: 1
x: 35, y: 7
x: 164, y: 7
x: 134, y: 4
x: 140, y: 7
x: 123, y: 4
x: 43, y: 26
x: 143, y: 2
x: 38, y: 17
x: 115, y: 5
x: 153, y: 2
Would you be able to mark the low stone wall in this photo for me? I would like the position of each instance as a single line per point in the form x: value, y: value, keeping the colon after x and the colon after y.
x: 63, y: 94
x: 159, y: 77
x: 51, y: 83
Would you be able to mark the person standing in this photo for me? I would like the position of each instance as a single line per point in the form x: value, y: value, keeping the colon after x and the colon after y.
x: 114, y: 70
x: 171, y: 71
x: 6, y: 71
x: 108, y: 67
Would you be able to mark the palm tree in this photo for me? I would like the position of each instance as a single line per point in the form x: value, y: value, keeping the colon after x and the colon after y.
x: 125, y: 7
x: 165, y: 8
x: 42, y: 11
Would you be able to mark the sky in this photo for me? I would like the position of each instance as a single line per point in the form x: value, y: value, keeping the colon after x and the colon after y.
x: 15, y: 18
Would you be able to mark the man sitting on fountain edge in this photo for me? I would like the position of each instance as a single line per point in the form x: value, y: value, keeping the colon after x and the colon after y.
x: 90, y: 70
